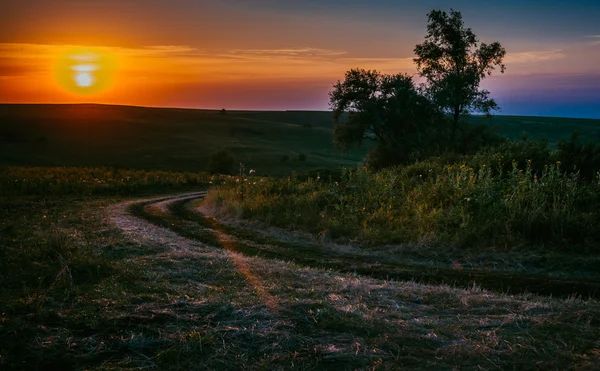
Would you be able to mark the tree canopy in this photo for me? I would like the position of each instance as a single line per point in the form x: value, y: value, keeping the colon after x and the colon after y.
x: 404, y: 119
x: 385, y: 108
x: 454, y: 62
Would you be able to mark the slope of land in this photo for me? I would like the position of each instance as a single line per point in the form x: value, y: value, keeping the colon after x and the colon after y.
x: 271, y: 142
x: 166, y: 139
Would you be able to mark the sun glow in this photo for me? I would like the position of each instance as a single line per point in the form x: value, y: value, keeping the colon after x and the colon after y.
x: 84, y: 71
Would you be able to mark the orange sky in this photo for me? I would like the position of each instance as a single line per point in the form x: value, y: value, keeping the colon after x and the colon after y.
x: 145, y: 75
x: 270, y: 54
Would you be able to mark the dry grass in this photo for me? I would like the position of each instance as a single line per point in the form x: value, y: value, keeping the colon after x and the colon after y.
x: 192, y: 306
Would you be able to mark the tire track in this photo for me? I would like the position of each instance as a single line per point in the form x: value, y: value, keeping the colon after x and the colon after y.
x: 179, y: 235
x: 141, y: 230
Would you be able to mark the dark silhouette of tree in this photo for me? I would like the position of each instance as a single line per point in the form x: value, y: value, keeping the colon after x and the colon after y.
x: 221, y: 162
x: 454, y: 62
x: 385, y: 108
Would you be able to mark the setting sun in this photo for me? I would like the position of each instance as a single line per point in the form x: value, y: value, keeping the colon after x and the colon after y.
x: 84, y: 71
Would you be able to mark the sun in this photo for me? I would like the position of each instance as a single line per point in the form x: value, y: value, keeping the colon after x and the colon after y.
x: 84, y: 71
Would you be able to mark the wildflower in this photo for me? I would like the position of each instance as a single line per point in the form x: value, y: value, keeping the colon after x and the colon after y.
x: 252, y: 171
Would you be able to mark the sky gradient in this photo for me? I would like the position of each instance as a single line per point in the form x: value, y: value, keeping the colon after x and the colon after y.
x: 275, y: 54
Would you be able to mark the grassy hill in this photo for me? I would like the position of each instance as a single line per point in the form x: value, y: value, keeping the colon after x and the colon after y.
x: 551, y: 128
x: 271, y: 142
x: 166, y: 139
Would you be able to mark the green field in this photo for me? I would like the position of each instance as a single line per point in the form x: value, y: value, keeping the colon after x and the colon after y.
x: 183, y: 139
x: 117, y: 252
x: 551, y: 128
x: 166, y: 139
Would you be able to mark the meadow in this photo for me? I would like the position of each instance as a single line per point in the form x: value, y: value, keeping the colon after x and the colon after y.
x: 272, y: 143
x: 488, y: 261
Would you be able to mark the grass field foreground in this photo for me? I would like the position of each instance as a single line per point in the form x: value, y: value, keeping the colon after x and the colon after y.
x: 78, y: 293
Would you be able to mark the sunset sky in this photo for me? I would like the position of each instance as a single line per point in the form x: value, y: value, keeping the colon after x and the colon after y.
x: 276, y: 54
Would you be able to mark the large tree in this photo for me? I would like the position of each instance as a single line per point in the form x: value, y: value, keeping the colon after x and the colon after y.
x: 387, y: 109
x: 454, y: 62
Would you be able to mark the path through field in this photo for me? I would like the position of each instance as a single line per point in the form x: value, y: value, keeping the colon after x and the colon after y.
x: 252, y: 301
x: 141, y: 230
x: 182, y: 219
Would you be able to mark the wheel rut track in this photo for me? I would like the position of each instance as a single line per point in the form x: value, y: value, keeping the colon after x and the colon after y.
x: 175, y: 216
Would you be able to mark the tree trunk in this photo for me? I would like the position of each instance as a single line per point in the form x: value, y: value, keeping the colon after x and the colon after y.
x: 456, y: 117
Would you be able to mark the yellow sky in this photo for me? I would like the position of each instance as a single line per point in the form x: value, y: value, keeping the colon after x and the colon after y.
x: 141, y: 73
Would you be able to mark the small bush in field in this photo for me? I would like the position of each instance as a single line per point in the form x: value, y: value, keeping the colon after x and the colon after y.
x: 576, y: 157
x: 221, y: 162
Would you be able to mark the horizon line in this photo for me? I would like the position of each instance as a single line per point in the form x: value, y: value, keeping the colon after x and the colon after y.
x: 247, y: 110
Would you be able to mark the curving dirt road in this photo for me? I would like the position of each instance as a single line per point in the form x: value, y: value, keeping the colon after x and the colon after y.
x: 143, y: 231
x: 252, y: 300
x: 138, y: 229
x: 169, y: 221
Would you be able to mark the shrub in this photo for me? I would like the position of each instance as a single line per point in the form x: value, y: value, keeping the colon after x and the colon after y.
x: 525, y: 153
x: 381, y: 157
x: 575, y: 157
x: 221, y: 162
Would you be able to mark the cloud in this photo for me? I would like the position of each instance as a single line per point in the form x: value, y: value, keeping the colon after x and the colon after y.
x: 23, y: 50
x: 166, y: 50
x: 172, y: 48
x: 534, y: 56
x: 384, y: 65
x: 595, y: 41
x: 293, y: 52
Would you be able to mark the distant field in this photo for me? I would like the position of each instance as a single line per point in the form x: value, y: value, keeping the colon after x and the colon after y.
x: 270, y: 142
x: 167, y: 139
x: 551, y: 128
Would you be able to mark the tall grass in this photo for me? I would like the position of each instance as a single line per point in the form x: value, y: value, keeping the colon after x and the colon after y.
x: 57, y: 181
x: 428, y: 202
